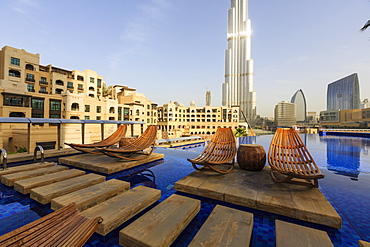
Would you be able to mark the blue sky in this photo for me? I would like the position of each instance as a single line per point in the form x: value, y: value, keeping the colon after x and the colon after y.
x: 172, y: 50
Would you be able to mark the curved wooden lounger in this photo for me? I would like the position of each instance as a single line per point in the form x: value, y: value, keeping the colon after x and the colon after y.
x: 146, y: 140
x: 64, y: 227
x: 109, y: 141
x: 220, y: 150
x: 289, y: 156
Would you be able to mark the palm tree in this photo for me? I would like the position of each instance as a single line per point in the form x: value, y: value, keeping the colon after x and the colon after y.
x: 239, y: 132
x: 367, y: 24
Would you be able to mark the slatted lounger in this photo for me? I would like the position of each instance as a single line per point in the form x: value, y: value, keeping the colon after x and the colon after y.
x: 109, y: 141
x: 220, y: 150
x: 289, y: 156
x: 64, y: 227
x: 130, y: 150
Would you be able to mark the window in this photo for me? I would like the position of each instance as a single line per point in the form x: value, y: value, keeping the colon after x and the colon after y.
x: 87, y: 108
x: 80, y: 87
x: 30, y: 77
x: 70, y: 84
x: 14, y: 73
x: 43, y: 81
x: 87, y: 117
x: 75, y: 107
x: 54, y: 115
x: 98, y: 82
x: 55, y: 105
x: 15, y: 61
x: 37, y: 103
x: 80, y: 78
x: 58, y: 91
x: 92, y: 79
x: 29, y: 67
x: 98, y: 117
x: 59, y: 82
x: 98, y: 109
x: 31, y: 88
x: 43, y: 90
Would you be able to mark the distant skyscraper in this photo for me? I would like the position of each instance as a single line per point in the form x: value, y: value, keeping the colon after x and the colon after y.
x: 301, y: 109
x: 238, y: 86
x: 344, y: 94
x: 285, y: 114
x: 208, y: 98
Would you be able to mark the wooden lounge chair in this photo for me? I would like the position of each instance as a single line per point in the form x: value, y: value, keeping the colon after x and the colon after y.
x: 220, y: 150
x: 130, y: 150
x: 289, y: 156
x: 109, y: 141
x: 64, y: 227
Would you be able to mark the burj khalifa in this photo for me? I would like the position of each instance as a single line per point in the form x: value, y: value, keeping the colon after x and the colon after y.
x: 239, y: 72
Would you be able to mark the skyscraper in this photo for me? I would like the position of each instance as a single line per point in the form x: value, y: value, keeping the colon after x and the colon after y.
x: 344, y: 94
x: 301, y: 109
x: 238, y: 86
x: 208, y: 98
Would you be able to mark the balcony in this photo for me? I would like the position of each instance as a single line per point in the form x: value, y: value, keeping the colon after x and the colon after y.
x: 44, y: 83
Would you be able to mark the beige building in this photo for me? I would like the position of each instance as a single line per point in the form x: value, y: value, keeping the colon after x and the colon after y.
x: 175, y: 120
x: 285, y: 114
x: 28, y: 89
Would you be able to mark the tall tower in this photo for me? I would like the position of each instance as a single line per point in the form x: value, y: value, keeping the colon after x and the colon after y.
x: 344, y: 94
x: 208, y: 98
x: 238, y: 86
x: 301, y: 108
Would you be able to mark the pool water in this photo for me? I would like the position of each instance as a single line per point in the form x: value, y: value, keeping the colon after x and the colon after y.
x: 343, y: 160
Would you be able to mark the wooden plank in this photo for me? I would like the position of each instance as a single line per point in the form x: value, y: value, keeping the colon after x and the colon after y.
x: 362, y: 243
x: 23, y: 168
x: 121, y: 208
x: 225, y: 227
x: 161, y: 225
x: 10, y: 179
x: 92, y: 195
x: 24, y: 186
x: 292, y: 235
x: 46, y: 193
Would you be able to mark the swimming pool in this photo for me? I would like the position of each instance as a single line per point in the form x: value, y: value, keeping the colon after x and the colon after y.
x: 343, y: 160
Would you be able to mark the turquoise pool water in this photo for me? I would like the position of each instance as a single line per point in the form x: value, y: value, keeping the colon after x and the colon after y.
x: 343, y: 160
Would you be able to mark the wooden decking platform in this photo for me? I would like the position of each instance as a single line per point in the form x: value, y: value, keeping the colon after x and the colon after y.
x: 23, y: 168
x: 257, y: 190
x: 10, y: 179
x: 91, y: 196
x: 105, y: 164
x: 362, y: 243
x: 225, y: 227
x: 24, y: 186
x: 121, y: 208
x: 292, y: 235
x: 161, y: 225
x: 46, y: 193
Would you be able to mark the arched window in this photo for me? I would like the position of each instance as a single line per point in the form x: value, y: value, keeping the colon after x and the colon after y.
x: 14, y: 73
x: 91, y: 89
x: 137, y: 112
x: 29, y: 67
x: 59, y: 82
x: 58, y: 91
x: 111, y: 110
x: 17, y: 114
x: 80, y: 78
x: 75, y: 107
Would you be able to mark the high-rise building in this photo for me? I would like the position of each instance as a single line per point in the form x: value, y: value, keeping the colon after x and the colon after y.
x: 301, y: 109
x: 285, y: 114
x: 344, y: 94
x: 208, y: 98
x: 238, y: 86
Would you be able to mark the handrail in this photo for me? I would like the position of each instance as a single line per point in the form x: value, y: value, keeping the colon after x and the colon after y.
x: 35, y: 153
x: 5, y: 159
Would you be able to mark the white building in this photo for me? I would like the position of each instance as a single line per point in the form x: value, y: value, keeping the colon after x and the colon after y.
x: 285, y: 114
x: 239, y: 73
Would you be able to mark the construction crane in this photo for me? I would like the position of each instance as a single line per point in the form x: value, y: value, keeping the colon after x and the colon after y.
x: 249, y: 126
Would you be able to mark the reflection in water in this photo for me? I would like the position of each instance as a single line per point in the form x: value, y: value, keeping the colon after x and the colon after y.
x: 343, y: 155
x: 246, y: 140
x: 145, y: 177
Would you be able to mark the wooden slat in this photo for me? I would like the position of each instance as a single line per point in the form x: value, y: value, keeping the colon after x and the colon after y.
x: 225, y: 227
x: 24, y: 186
x: 23, y: 168
x: 292, y: 235
x: 121, y: 208
x: 362, y: 243
x: 46, y: 193
x: 162, y: 224
x: 91, y: 196
x: 10, y: 179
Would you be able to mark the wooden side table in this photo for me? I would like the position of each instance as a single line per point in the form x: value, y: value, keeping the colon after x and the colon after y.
x: 251, y: 157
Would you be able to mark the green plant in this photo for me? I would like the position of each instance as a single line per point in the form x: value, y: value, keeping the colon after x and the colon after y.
x: 239, y: 132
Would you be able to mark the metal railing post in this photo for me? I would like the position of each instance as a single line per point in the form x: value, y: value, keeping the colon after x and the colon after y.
x: 39, y: 147
x: 5, y: 159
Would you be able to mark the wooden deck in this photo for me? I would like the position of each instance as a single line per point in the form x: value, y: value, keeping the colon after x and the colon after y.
x: 121, y: 208
x: 225, y: 227
x: 91, y: 196
x: 105, y: 164
x: 23, y: 168
x: 257, y: 190
x: 162, y: 224
x: 292, y: 235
